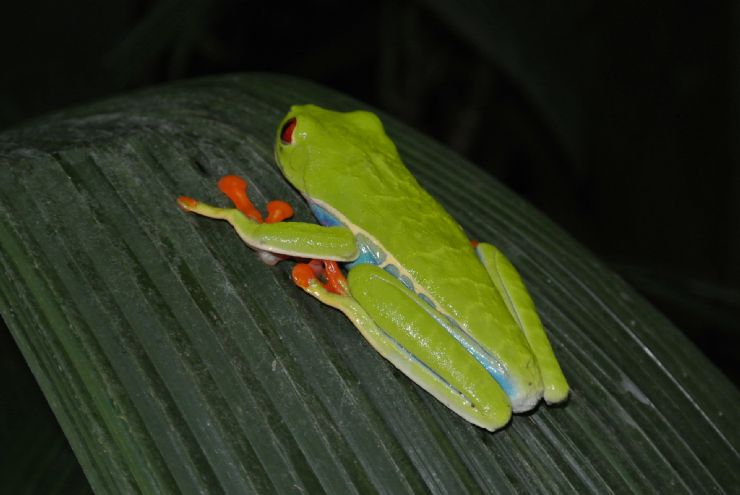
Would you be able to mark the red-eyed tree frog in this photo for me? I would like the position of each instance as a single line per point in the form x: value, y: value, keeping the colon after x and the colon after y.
x: 451, y: 314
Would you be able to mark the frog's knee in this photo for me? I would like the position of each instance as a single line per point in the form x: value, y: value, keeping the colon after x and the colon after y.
x: 365, y: 274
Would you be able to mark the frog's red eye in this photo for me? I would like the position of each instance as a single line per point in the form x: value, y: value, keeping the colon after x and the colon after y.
x: 286, y: 134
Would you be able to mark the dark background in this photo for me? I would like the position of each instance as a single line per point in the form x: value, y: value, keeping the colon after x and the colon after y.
x: 617, y: 119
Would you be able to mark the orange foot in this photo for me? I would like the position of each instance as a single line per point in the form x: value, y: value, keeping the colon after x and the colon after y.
x: 330, y: 276
x: 236, y: 189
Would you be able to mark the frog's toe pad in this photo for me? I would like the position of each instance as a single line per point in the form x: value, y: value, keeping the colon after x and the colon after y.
x: 187, y: 203
x: 277, y: 211
x: 303, y: 274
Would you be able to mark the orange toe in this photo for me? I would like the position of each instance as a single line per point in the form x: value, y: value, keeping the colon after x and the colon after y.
x: 335, y: 281
x: 187, y: 203
x: 303, y: 274
x: 236, y: 189
x: 277, y: 211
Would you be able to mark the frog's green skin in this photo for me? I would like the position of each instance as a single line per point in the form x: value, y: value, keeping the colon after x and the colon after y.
x: 456, y: 319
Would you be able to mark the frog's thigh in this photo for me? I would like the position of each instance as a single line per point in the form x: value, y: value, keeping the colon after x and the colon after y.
x: 429, y: 355
x: 509, y: 284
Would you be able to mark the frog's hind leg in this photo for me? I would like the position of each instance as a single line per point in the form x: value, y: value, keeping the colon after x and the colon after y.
x: 403, y: 329
x: 509, y: 284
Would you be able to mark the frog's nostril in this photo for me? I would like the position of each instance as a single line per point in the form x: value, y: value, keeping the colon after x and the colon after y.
x: 286, y: 133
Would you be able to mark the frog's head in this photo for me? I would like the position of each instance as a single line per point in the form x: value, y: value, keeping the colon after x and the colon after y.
x: 313, y: 143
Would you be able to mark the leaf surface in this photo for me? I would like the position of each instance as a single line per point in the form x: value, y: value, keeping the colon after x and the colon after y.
x: 176, y: 361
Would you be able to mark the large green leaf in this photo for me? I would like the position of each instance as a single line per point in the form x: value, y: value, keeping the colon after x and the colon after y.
x: 175, y: 360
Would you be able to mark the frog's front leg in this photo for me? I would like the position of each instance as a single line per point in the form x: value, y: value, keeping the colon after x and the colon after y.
x: 409, y: 333
x: 303, y: 240
x: 509, y: 284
